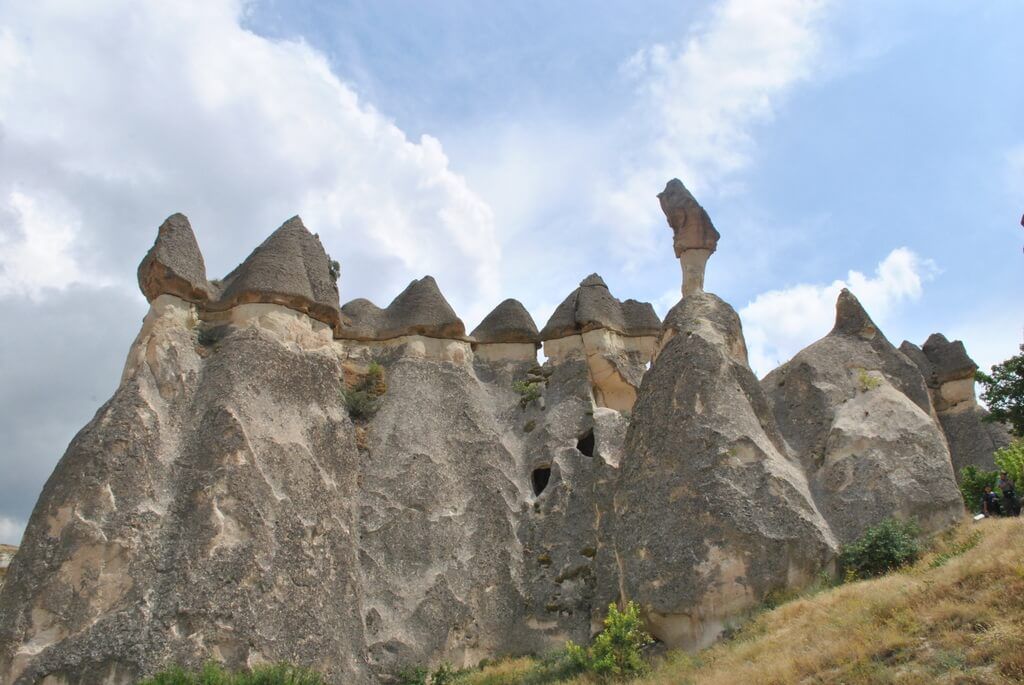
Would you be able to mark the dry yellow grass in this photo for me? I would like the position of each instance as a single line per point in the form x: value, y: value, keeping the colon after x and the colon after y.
x: 957, y: 616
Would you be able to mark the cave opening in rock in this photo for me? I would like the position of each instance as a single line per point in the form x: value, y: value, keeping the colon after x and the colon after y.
x: 540, y: 479
x: 585, y: 443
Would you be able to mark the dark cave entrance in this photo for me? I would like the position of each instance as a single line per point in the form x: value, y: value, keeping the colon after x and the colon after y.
x: 585, y: 443
x: 540, y: 478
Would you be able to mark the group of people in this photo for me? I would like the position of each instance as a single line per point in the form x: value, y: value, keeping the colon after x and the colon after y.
x: 1009, y: 505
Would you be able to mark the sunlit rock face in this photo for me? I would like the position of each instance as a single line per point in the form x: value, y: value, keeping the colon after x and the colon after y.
x: 858, y: 415
x: 710, y: 514
x: 949, y: 374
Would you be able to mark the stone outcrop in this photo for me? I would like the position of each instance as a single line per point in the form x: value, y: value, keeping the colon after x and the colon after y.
x: 617, y: 339
x: 949, y: 375
x: 174, y: 265
x: 710, y: 514
x: 694, y: 236
x: 420, y: 309
x: 856, y: 412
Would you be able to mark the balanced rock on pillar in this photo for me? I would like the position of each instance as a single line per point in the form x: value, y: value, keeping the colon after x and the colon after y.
x: 694, y: 236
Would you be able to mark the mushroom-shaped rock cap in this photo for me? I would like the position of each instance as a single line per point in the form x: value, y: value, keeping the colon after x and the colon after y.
x: 949, y: 360
x: 509, y: 322
x: 290, y: 268
x: 592, y: 306
x: 420, y: 309
x: 174, y: 265
x: 690, y: 224
x: 851, y: 318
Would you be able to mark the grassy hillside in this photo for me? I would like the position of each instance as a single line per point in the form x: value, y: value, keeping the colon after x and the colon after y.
x: 956, y: 616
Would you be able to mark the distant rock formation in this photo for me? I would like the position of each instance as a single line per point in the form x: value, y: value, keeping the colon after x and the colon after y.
x: 243, y: 497
x: 694, y: 236
x: 856, y: 412
x: 949, y: 375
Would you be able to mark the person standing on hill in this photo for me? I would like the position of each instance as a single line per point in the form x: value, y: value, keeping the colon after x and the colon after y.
x: 1011, y: 506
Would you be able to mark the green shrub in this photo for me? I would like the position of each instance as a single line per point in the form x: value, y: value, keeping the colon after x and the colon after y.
x: 214, y: 674
x: 416, y: 675
x: 1003, y: 392
x: 362, y: 399
x: 972, y: 484
x: 886, y: 547
x: 1011, y: 460
x: 616, y: 651
x: 529, y: 391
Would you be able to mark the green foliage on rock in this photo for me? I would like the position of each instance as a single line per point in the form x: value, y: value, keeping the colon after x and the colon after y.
x: 616, y: 653
x: 972, y: 484
x: 1011, y: 460
x: 362, y: 399
x: 529, y: 391
x: 214, y: 674
x: 1003, y: 392
x: 888, y: 546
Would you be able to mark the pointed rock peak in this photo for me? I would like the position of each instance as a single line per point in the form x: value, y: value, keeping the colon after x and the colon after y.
x: 592, y: 306
x: 290, y: 268
x: 509, y: 322
x: 593, y: 279
x: 949, y: 360
x: 174, y: 265
x: 675, y: 192
x: 421, y: 309
x: 851, y: 319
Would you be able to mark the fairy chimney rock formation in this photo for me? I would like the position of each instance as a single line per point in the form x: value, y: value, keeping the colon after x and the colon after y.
x: 174, y: 265
x: 856, y: 413
x: 290, y: 269
x: 508, y: 332
x: 948, y: 372
x: 616, y: 338
x: 419, y: 310
x: 694, y: 236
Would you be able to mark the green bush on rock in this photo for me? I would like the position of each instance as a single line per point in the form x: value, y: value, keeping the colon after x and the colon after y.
x: 885, y: 547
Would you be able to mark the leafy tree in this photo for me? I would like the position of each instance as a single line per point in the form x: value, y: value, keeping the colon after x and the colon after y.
x: 1004, y: 392
x: 1011, y: 460
x: 972, y: 484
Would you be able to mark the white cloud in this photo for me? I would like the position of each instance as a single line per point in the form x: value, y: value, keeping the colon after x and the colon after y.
x: 702, y: 98
x: 779, y: 323
x: 120, y: 113
x: 11, y: 531
x: 34, y: 245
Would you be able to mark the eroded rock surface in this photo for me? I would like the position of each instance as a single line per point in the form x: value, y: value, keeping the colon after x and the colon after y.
x: 709, y: 514
x: 174, y: 265
x: 857, y: 413
x: 420, y: 309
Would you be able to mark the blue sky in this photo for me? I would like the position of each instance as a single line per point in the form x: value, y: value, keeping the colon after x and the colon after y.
x: 509, y: 149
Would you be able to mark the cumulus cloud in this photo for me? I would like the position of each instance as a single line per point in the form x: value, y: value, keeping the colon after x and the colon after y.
x: 703, y: 97
x: 119, y: 113
x: 11, y: 531
x: 779, y: 323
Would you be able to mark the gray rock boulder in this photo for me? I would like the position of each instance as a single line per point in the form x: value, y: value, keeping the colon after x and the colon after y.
x: 592, y: 306
x: 709, y: 514
x: 857, y: 413
x: 174, y: 265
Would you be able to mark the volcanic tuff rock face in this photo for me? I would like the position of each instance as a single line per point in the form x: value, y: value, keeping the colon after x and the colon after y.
x: 857, y: 413
x: 709, y: 514
x: 234, y: 501
x: 949, y: 374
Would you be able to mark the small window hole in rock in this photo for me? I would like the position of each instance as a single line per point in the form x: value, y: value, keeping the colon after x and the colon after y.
x: 585, y: 443
x: 540, y: 477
